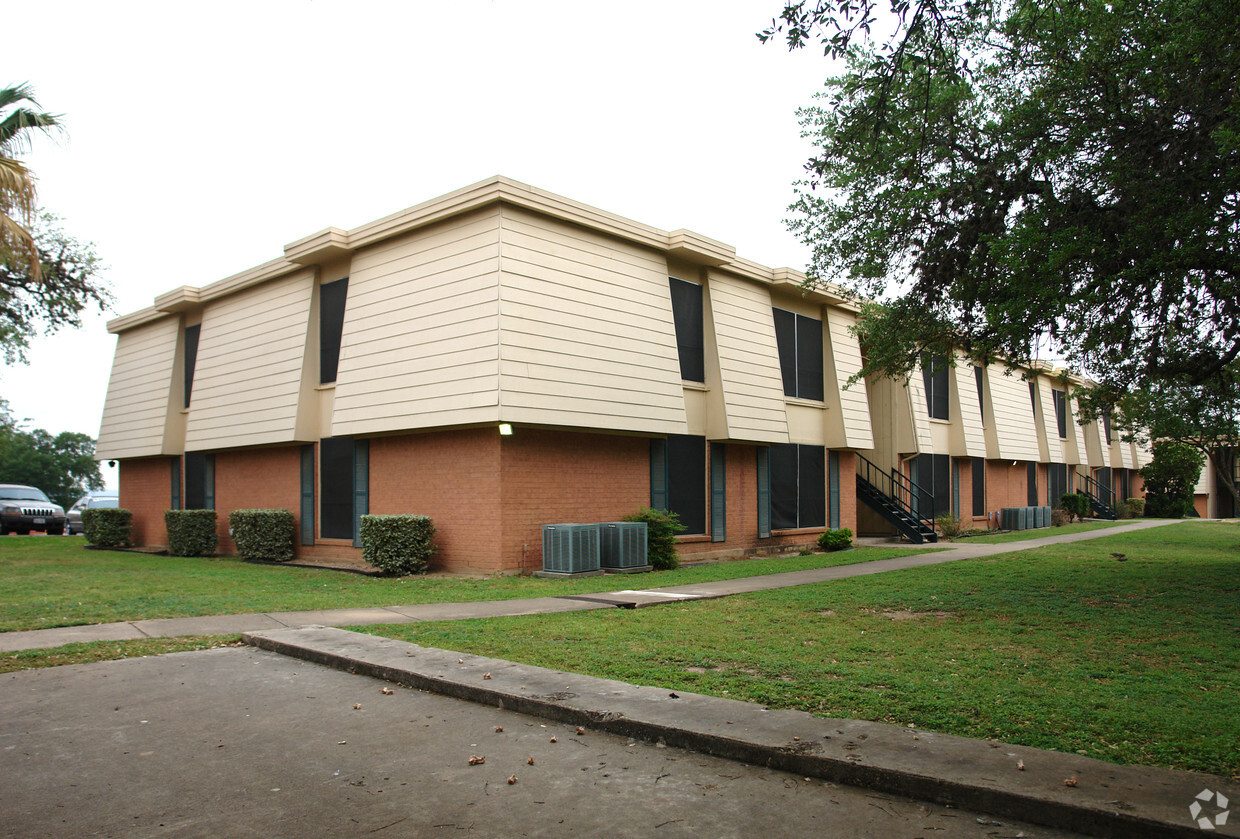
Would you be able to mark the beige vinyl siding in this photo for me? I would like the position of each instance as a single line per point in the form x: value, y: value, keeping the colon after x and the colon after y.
x: 247, y: 379
x: 586, y: 331
x: 744, y: 331
x: 1143, y: 455
x: 968, y: 435
x: 1055, y: 445
x: 915, y: 394
x: 420, y: 345
x: 848, y: 410
x: 1076, y: 431
x: 1013, y: 424
x: 140, y: 391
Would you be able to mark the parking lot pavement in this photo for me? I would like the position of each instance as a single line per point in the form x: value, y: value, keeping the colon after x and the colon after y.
x: 240, y: 742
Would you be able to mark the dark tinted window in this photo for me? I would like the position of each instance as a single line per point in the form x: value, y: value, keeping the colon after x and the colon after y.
x: 979, y: 486
x: 934, y: 376
x: 799, y: 341
x: 1106, y: 425
x: 336, y: 487
x: 687, y: 312
x: 686, y: 480
x: 1061, y: 411
x: 191, y: 358
x: 798, y: 486
x: 981, y: 400
x: 1031, y: 482
x: 331, y: 326
x: 199, y: 481
x: 933, y: 476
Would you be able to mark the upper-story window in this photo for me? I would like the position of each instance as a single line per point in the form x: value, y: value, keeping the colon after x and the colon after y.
x: 981, y: 400
x: 687, y: 313
x: 331, y: 327
x: 1061, y: 412
x: 1106, y: 425
x: 934, y: 375
x: 191, y: 358
x: 1033, y: 397
x: 799, y: 339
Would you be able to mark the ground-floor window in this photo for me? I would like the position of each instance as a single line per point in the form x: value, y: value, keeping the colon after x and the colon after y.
x: 932, y: 475
x: 979, y: 486
x: 678, y: 479
x: 798, y: 486
x: 344, y: 487
x: 199, y: 481
x: 1057, y: 485
x: 1031, y: 481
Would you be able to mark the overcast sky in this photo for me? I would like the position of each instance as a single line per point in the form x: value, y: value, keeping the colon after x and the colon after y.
x: 204, y: 137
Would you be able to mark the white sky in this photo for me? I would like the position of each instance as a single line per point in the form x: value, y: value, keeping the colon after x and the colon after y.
x: 204, y: 137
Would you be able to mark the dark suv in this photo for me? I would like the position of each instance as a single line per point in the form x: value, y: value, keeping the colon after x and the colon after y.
x: 23, y: 509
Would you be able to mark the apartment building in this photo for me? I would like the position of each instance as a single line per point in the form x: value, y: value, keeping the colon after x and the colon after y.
x: 500, y: 358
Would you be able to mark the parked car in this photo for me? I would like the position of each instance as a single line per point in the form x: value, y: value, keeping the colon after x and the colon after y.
x: 23, y: 509
x: 94, y: 499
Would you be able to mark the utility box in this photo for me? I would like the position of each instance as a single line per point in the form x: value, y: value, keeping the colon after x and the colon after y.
x: 570, y: 550
x: 622, y: 547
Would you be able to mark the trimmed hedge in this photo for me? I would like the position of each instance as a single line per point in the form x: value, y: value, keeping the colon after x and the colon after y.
x: 265, y: 535
x: 398, y: 545
x: 1133, y: 508
x: 1075, y: 504
x: 661, y: 529
x: 835, y: 540
x: 191, y: 532
x: 107, y: 527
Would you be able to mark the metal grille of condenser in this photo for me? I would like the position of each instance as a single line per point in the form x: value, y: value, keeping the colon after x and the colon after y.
x: 1024, y: 518
x: 622, y: 544
x: 570, y: 548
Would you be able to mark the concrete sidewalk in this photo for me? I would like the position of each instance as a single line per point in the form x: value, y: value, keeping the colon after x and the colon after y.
x: 1062, y: 791
x: 625, y: 599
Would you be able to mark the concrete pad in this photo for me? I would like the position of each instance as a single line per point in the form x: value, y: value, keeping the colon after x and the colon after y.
x: 210, y: 625
x: 1009, y: 781
x: 42, y: 639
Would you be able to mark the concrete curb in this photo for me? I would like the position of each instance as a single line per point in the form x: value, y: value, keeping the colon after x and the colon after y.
x: 1107, y: 800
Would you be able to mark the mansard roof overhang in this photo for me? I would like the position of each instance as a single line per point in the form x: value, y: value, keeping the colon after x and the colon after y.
x: 333, y: 243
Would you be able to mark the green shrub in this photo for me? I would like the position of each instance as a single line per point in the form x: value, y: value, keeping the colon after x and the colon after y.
x: 1075, y: 504
x: 107, y: 527
x: 661, y: 529
x: 948, y: 526
x: 835, y: 540
x: 262, y: 534
x: 1133, y: 507
x: 1060, y: 517
x: 191, y: 532
x: 398, y: 545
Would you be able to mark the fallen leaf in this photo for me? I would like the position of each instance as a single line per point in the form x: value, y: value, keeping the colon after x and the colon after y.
x: 357, y: 706
x: 555, y: 739
x: 385, y: 691
x: 581, y: 730
x: 1070, y: 782
x: 498, y: 729
x: 486, y: 675
x: 474, y: 760
x: 530, y: 761
x: 512, y: 779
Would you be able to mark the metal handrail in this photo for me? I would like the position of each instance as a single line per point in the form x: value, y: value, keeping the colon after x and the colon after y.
x: 1091, y: 487
x: 898, y: 488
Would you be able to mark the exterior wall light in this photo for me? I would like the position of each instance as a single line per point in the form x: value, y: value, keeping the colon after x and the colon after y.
x: 505, y: 429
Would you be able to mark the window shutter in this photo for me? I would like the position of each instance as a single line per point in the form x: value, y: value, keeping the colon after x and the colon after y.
x: 833, y: 475
x: 191, y: 358
x: 809, y: 358
x: 786, y: 344
x: 208, y: 482
x: 981, y: 399
x: 658, y: 474
x: 979, y: 487
x: 956, y: 487
x: 175, y: 469
x: 718, y: 492
x: 307, y: 494
x: 361, y: 487
x: 764, y: 492
x: 1032, y: 482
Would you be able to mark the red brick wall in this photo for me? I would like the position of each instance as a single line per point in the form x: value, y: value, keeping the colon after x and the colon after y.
x: 550, y: 477
x: 1008, y: 485
x: 256, y: 478
x: 453, y: 477
x: 146, y: 491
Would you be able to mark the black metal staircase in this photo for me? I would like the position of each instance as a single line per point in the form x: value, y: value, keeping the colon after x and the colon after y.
x: 1100, y: 497
x: 896, y: 499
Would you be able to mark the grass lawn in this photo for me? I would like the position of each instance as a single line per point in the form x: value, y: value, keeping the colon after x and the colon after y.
x: 1063, y: 647
x: 110, y: 651
x: 1039, y: 532
x: 47, y: 582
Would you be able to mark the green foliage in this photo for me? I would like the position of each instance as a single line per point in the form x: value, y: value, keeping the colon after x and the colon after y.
x: 191, y: 532
x: 661, y: 529
x: 63, y: 466
x: 948, y: 525
x: 1060, y: 517
x: 1170, y: 479
x: 835, y: 540
x: 265, y: 535
x: 1075, y: 504
x: 398, y: 545
x: 1004, y: 171
x: 1132, y: 508
x: 108, y: 527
